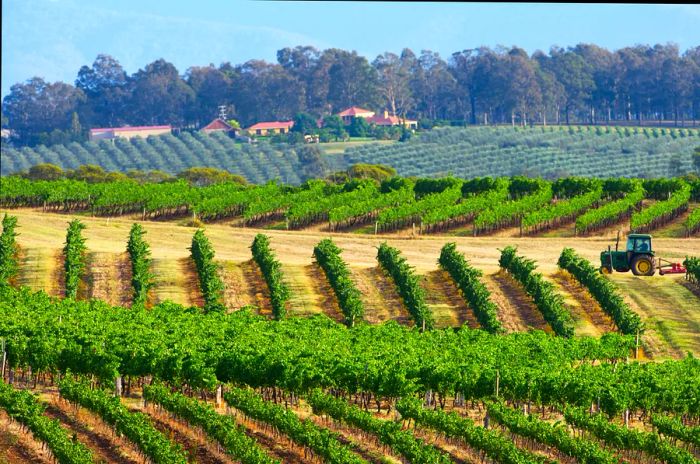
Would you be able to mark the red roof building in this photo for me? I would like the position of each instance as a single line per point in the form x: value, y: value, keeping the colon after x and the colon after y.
x: 270, y: 127
x: 217, y: 125
x: 354, y: 112
x: 106, y: 133
x: 386, y: 120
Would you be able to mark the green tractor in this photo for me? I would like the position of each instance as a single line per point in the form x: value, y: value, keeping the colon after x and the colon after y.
x: 638, y: 256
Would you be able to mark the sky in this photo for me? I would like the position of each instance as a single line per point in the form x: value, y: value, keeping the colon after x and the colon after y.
x: 52, y: 39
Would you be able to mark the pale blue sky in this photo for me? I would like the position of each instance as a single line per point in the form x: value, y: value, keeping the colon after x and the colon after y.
x: 53, y: 38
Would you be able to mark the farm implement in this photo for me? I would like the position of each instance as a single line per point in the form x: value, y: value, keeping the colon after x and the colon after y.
x: 639, y: 257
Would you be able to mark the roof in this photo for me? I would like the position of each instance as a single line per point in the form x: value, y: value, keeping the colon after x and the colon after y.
x: 354, y: 111
x: 389, y: 120
x: 272, y: 125
x: 130, y: 128
x: 639, y: 236
x: 217, y: 124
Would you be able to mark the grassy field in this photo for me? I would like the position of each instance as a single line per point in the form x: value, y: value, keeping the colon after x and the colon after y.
x: 336, y: 148
x: 666, y: 303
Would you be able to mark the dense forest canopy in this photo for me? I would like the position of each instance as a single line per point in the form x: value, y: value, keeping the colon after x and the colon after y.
x: 581, y: 84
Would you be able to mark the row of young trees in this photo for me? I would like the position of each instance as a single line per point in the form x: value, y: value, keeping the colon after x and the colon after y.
x: 134, y: 425
x: 222, y: 428
x: 390, y: 433
x: 544, y: 294
x: 603, y: 290
x: 319, y: 440
x: 26, y: 409
x: 584, y: 83
x: 271, y: 270
x: 337, y: 272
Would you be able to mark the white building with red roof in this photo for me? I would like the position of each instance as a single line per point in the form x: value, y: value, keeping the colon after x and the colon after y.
x: 107, y: 133
x: 217, y: 125
x: 387, y: 120
x: 270, y: 127
x: 354, y: 112
x: 373, y: 118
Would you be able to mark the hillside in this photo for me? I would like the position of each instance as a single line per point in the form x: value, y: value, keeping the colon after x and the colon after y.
x: 540, y: 151
x: 464, y: 152
x: 666, y: 303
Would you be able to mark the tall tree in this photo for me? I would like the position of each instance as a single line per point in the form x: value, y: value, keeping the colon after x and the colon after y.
x: 38, y: 107
x: 265, y: 91
x: 105, y: 85
x: 434, y: 86
x: 473, y: 70
x: 352, y: 81
x: 159, y: 95
x: 576, y: 77
x: 393, y: 76
x: 212, y: 88
x: 303, y: 63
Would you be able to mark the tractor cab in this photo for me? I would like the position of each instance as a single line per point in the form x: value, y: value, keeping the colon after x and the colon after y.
x: 638, y: 256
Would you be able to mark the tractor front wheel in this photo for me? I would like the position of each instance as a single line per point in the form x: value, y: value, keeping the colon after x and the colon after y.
x: 643, y: 265
x: 605, y: 270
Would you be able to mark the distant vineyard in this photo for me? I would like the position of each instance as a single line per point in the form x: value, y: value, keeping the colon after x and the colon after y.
x: 257, y: 163
x: 429, y: 205
x: 173, y: 384
x: 592, y: 151
x: 547, y: 151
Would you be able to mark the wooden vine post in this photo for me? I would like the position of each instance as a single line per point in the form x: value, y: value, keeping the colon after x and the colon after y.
x: 219, y: 395
x: 118, y: 386
x: 498, y: 381
x: 4, y: 359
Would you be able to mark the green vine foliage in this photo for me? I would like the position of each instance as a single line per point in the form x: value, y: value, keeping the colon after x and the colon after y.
x: 603, y: 290
x: 272, y: 272
x: 673, y: 427
x: 389, y: 432
x: 327, y: 256
x: 383, y: 362
x: 25, y: 408
x: 557, y: 436
x: 140, y: 257
x: 692, y: 266
x: 407, y: 284
x: 472, y: 289
x: 494, y: 444
x: 548, y: 301
x: 208, y: 271
x: 322, y: 441
x: 626, y: 438
x: 74, y: 257
x: 661, y: 212
x: 134, y: 425
x: 9, y: 249
x: 222, y: 428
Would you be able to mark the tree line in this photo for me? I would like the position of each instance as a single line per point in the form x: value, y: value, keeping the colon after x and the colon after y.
x: 580, y: 84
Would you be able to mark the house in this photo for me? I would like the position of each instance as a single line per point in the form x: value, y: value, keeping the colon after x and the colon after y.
x: 270, y: 128
x: 354, y: 112
x: 386, y: 120
x: 372, y: 118
x: 219, y: 125
x: 109, y: 133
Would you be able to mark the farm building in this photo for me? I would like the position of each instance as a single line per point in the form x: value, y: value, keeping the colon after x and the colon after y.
x: 218, y: 124
x: 354, y: 112
x: 386, y: 120
x: 107, y: 133
x: 373, y: 118
x: 270, y: 127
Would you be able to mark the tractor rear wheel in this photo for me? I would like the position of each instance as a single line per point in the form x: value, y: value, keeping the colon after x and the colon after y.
x: 643, y: 265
